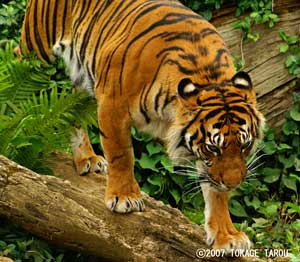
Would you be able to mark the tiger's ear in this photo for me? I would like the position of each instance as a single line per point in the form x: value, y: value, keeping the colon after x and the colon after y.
x: 187, y: 89
x: 242, y: 80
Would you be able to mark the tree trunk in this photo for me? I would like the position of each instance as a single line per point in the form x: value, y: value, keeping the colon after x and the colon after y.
x: 69, y: 210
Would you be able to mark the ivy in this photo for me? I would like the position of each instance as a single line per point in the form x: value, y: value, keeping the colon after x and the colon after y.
x: 291, y: 46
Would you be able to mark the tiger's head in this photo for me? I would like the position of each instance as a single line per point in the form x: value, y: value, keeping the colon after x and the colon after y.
x: 218, y: 125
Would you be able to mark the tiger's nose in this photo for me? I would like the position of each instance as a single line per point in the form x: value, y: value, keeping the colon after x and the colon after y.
x: 232, y: 178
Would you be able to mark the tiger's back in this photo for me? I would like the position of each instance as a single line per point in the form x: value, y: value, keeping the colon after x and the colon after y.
x: 135, y: 39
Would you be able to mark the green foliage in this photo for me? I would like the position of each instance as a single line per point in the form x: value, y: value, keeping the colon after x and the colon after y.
x: 292, y: 47
x: 37, y: 113
x: 261, y: 12
x: 204, y: 7
x: 159, y: 178
x: 11, y: 17
x: 22, y: 247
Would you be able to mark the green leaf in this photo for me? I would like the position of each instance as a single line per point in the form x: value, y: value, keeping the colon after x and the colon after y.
x: 287, y: 161
x: 176, y: 194
x: 207, y: 14
x: 180, y: 180
x: 155, y: 180
x: 290, y: 182
x: 293, y: 208
x: 149, y: 189
x: 260, y: 222
x: 292, y: 59
x: 254, y: 14
x: 283, y: 35
x: 137, y: 176
x: 154, y: 148
x: 270, y: 147
x: 273, y: 17
x: 271, y: 175
x: 297, y: 165
x: 147, y: 162
x: 270, y: 209
x: 295, y: 113
x: 284, y: 48
x: 292, y: 40
x: 167, y: 163
x: 290, y: 127
x: 255, y: 203
x: 284, y: 147
x: 237, y: 209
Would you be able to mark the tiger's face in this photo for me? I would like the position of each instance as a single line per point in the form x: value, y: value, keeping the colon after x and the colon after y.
x: 219, y: 126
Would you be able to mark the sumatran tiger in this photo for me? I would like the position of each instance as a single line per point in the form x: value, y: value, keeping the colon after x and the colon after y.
x: 158, y: 66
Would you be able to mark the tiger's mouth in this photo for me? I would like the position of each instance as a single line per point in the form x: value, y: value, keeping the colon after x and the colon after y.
x: 221, y: 187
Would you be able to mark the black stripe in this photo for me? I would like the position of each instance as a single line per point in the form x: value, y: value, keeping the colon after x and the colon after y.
x: 43, y: 12
x: 64, y: 19
x: 27, y: 35
x: 189, y: 57
x: 157, y: 97
x: 48, y: 22
x: 218, y: 57
x: 239, y: 109
x: 191, y: 123
x: 171, y: 18
x: 84, y: 9
x: 213, y: 113
x: 208, y: 31
x: 144, y: 12
x: 142, y: 110
x: 54, y: 22
x: 145, y: 98
x: 181, y: 68
x: 192, y: 36
x: 203, y: 132
x: 86, y: 39
x: 37, y: 34
x: 213, y: 104
x: 192, y: 138
x: 171, y: 48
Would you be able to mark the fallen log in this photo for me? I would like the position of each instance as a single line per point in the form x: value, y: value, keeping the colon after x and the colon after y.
x: 69, y: 211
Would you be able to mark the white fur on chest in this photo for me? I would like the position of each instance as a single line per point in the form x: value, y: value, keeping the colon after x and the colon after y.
x: 76, y: 71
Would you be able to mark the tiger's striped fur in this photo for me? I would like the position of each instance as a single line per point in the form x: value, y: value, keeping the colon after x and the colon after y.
x: 156, y: 65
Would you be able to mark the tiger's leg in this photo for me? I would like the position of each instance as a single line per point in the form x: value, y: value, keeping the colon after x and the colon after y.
x: 122, y: 192
x: 84, y: 156
x: 221, y: 234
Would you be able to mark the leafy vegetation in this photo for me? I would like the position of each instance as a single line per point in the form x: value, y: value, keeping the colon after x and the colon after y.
x: 11, y: 17
x: 37, y: 111
x: 261, y: 12
x: 291, y: 46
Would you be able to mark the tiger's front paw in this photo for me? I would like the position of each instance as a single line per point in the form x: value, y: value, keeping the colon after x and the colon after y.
x: 125, y: 204
x: 96, y: 164
x: 123, y: 197
x: 228, y: 240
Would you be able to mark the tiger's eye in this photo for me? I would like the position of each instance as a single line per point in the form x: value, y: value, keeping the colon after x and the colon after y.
x: 213, y: 149
x: 246, y: 145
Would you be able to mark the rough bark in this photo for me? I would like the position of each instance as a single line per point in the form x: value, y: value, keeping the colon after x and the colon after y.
x: 69, y: 210
x: 264, y: 62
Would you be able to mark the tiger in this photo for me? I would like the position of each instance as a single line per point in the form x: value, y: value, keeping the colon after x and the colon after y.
x: 159, y: 67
